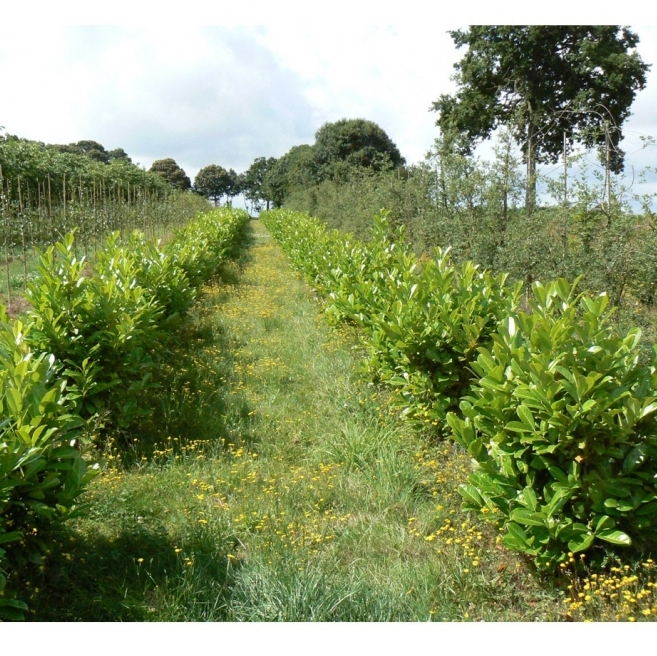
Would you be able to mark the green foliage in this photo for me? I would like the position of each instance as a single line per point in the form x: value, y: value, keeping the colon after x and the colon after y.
x: 50, y: 173
x: 234, y: 186
x: 424, y: 320
x: 102, y: 324
x: 294, y: 170
x: 353, y: 143
x: 342, y: 150
x: 473, y: 206
x: 41, y: 470
x: 202, y: 245
x: 108, y: 323
x: 589, y: 75
x: 93, y: 150
x: 82, y: 363
x: 555, y: 408
x: 119, y: 154
x: 255, y: 182
x: 213, y: 182
x: 172, y: 173
x: 562, y: 427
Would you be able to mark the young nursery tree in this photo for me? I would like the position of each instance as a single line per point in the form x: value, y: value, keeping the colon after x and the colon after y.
x: 544, y: 81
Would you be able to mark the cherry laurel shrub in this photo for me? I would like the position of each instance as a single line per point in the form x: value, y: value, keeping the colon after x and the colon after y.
x: 108, y: 323
x: 100, y: 323
x: 42, y: 472
x: 422, y: 318
x: 555, y: 408
x: 562, y: 428
x: 203, y: 244
x: 86, y: 349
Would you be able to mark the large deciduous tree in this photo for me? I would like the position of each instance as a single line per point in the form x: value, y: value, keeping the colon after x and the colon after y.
x: 213, y: 182
x: 543, y: 81
x: 172, y: 173
x: 353, y: 143
x: 255, y: 184
x: 87, y: 147
x: 294, y: 170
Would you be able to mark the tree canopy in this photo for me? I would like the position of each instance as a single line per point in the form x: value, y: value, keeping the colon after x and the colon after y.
x: 340, y: 149
x: 172, y: 173
x: 543, y: 81
x: 296, y: 169
x: 37, y: 165
x: 235, y: 185
x: 213, y: 182
x: 119, y: 154
x: 87, y: 147
x: 255, y: 184
x: 353, y: 143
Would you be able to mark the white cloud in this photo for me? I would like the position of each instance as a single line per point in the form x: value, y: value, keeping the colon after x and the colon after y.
x: 219, y: 94
x: 390, y: 75
x: 200, y: 95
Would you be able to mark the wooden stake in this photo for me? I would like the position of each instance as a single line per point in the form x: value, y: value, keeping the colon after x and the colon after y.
x: 5, y: 231
x: 20, y: 210
x: 49, y: 207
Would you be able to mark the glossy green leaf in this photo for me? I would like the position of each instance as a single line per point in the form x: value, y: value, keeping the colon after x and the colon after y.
x: 581, y: 542
x: 471, y: 495
x: 526, y: 417
x: 615, y: 537
x: 527, y: 517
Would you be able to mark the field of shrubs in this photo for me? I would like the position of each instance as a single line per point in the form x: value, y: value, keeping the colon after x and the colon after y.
x: 75, y: 370
x: 555, y: 407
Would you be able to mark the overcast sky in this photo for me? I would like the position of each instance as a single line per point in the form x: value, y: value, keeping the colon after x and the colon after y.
x: 226, y: 94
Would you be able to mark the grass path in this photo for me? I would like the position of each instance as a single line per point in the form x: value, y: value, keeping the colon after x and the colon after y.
x: 280, y: 490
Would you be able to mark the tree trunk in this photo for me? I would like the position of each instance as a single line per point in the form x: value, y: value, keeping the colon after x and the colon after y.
x: 530, y: 193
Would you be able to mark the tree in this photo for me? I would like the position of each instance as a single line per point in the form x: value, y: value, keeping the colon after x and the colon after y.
x: 213, y: 182
x: 172, y: 173
x: 91, y: 149
x: 255, y: 184
x: 234, y: 185
x: 543, y: 82
x: 119, y: 154
x: 353, y: 143
x: 94, y: 150
x: 294, y: 170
